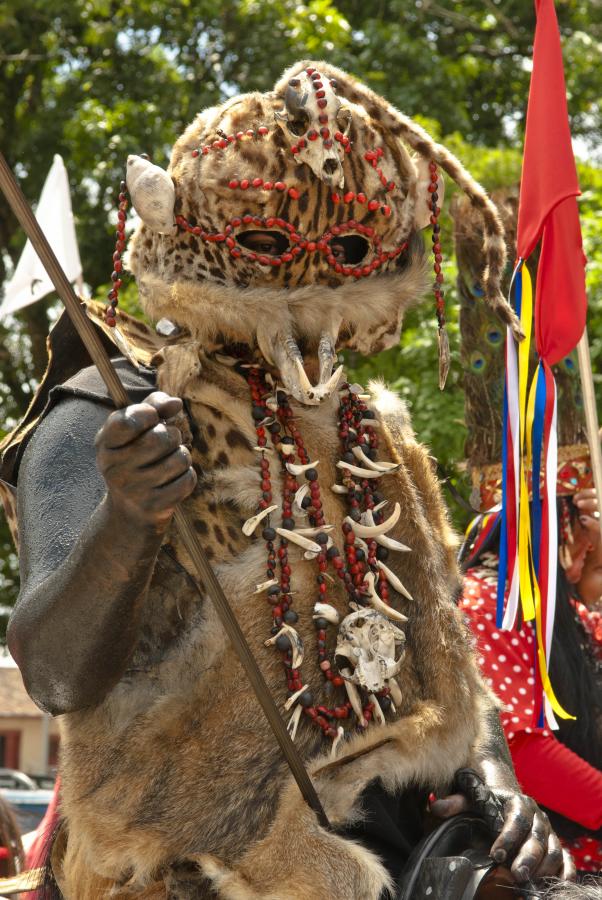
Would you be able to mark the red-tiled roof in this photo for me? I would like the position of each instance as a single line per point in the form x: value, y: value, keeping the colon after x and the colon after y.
x: 14, y: 700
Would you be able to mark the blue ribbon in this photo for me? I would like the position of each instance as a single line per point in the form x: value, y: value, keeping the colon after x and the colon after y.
x: 503, y: 573
x: 538, y: 427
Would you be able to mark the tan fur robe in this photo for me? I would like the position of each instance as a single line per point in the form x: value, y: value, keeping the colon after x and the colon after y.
x: 178, y: 763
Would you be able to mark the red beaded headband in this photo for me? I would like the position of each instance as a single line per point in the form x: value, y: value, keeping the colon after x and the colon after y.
x: 302, y: 244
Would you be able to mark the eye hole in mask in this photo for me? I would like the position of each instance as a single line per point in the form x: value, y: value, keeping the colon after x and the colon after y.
x: 268, y: 243
x: 354, y: 247
x: 299, y: 125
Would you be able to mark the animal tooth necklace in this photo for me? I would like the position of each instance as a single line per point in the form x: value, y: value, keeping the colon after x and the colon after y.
x: 361, y: 568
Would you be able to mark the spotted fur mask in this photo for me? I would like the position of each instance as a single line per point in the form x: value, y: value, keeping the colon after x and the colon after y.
x: 319, y: 160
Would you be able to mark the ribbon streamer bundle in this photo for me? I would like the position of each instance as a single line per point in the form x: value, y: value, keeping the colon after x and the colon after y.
x: 547, y: 212
x: 529, y: 538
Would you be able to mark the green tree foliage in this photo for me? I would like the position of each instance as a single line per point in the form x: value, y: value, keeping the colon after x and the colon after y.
x: 95, y: 80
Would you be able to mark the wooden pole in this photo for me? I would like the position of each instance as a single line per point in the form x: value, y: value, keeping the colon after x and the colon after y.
x: 591, y: 416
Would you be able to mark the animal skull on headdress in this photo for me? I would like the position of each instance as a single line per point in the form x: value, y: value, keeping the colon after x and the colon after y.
x: 370, y: 649
x: 317, y: 161
x: 312, y: 116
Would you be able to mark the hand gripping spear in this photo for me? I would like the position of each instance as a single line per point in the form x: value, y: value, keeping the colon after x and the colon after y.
x: 117, y: 392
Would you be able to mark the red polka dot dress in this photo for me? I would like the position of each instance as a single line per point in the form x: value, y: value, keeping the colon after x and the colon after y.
x: 547, y: 770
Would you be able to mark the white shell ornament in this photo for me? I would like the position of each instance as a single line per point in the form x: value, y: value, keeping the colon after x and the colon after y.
x: 152, y: 193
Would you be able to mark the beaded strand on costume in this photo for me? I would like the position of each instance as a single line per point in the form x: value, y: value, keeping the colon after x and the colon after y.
x: 116, y: 276
x: 354, y: 430
x: 444, y: 355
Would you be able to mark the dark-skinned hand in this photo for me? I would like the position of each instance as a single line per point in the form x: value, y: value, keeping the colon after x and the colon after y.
x: 526, y: 841
x: 147, y: 469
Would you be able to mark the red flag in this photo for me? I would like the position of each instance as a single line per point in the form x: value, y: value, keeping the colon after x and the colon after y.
x: 548, y: 205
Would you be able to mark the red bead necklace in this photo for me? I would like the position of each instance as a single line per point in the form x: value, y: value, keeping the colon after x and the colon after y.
x: 436, y: 238
x: 355, y: 430
x: 116, y: 274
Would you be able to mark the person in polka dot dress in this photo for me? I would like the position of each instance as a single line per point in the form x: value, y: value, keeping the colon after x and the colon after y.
x: 561, y: 770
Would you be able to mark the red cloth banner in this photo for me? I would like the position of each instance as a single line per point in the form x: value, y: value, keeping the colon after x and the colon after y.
x: 548, y: 205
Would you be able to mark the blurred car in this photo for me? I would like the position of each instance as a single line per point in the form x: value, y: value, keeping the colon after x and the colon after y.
x: 29, y: 805
x: 15, y: 780
x: 29, y: 796
x: 46, y: 782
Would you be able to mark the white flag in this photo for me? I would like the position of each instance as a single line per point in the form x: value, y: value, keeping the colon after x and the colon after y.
x: 30, y: 282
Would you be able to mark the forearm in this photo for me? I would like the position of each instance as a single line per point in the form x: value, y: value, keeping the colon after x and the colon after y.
x: 73, y: 633
x: 559, y: 779
x: 494, y: 762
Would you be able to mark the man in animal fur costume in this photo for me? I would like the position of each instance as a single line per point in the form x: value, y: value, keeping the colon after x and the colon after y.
x: 288, y: 227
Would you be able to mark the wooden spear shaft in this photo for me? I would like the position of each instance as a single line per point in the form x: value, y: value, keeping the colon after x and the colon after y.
x: 591, y: 416
x: 207, y: 577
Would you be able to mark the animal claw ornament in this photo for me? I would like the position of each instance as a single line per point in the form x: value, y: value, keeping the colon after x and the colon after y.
x: 295, y: 538
x: 293, y: 722
x: 370, y: 464
x: 265, y: 585
x: 383, y: 539
x: 296, y: 469
x: 327, y: 356
x: 290, y: 363
x: 393, y: 580
x: 294, y: 697
x: 372, y: 530
x: 375, y: 601
x: 288, y: 639
x: 372, y: 647
x: 298, y: 499
x: 251, y: 524
x: 358, y: 471
x: 326, y: 611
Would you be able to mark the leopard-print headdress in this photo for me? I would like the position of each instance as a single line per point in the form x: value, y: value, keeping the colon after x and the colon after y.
x: 318, y: 160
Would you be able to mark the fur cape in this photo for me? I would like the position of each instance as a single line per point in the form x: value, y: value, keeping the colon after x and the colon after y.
x: 176, y: 772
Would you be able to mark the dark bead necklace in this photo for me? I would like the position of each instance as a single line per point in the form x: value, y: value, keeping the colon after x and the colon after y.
x: 274, y: 421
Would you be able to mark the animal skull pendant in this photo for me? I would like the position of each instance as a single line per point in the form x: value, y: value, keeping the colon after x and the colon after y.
x: 374, y: 648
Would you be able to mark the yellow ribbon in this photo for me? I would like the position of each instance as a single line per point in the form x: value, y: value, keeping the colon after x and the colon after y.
x: 525, y: 570
x: 530, y: 593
